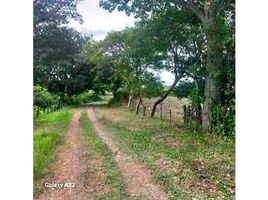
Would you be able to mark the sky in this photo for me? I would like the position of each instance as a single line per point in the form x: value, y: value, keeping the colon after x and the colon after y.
x: 98, y: 22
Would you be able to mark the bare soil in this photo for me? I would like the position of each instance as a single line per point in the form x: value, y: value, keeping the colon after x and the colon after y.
x: 138, y: 180
x: 72, y: 165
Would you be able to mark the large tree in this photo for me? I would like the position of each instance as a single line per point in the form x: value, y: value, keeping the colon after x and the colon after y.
x: 181, y: 47
x: 212, y: 14
x: 58, y: 64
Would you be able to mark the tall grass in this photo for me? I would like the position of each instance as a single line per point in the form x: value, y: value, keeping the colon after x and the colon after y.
x: 49, y: 131
x: 44, y: 143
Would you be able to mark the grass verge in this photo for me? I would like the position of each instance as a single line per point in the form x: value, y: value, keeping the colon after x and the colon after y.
x: 99, y: 151
x: 188, y: 164
x: 49, y: 130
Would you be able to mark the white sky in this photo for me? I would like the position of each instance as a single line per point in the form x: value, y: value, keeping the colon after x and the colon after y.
x: 98, y: 22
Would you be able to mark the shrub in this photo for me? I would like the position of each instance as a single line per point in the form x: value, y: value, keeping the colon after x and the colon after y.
x: 44, y: 100
x: 84, y: 98
x: 222, y: 120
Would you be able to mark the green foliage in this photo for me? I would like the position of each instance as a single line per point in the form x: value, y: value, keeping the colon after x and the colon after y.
x: 59, y: 117
x: 49, y: 130
x: 151, y: 86
x: 121, y: 94
x: 58, y: 65
x: 196, y: 97
x: 44, y: 100
x: 84, y: 98
x: 49, y: 13
x: 195, y: 38
x: 183, y: 89
x: 44, y: 143
x: 223, y: 120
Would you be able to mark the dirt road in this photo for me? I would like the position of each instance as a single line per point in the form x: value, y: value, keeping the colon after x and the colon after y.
x: 139, y: 183
x: 73, y: 179
x: 65, y: 183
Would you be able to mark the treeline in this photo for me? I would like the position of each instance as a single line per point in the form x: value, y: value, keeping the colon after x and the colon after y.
x: 61, y: 74
x: 192, y: 39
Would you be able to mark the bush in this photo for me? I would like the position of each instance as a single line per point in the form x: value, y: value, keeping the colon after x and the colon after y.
x: 121, y: 93
x: 84, y: 98
x: 45, y: 101
x: 222, y: 120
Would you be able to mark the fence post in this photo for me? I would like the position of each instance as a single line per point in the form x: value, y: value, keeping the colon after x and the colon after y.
x: 161, y: 111
x: 144, y: 110
x: 170, y: 116
x: 187, y: 114
x: 184, y: 114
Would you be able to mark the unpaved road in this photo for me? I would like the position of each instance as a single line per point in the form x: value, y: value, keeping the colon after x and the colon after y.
x: 138, y: 181
x: 73, y: 164
x: 67, y: 168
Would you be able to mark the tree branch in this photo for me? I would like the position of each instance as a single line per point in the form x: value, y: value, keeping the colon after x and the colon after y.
x: 193, y: 8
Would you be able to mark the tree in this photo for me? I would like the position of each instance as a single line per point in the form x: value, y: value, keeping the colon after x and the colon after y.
x: 106, y: 78
x: 58, y: 65
x: 53, y: 13
x: 181, y: 47
x: 212, y: 15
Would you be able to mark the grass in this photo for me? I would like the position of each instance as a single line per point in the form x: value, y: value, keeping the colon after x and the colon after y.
x: 49, y: 131
x: 187, y: 164
x: 97, y: 149
x: 171, y: 103
x: 44, y: 143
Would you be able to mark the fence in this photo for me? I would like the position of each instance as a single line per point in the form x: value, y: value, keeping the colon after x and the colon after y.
x: 192, y: 114
x: 170, y: 110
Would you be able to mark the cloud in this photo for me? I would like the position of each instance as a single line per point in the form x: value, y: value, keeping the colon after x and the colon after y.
x: 98, y: 21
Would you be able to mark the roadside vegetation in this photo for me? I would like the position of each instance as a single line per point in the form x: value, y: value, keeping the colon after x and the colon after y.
x: 188, y: 164
x: 191, y: 151
x: 104, y: 168
x: 49, y: 130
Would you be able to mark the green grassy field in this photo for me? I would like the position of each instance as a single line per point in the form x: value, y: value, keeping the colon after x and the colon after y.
x: 188, y: 164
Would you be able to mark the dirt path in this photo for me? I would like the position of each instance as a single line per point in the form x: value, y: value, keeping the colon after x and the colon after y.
x: 137, y: 178
x: 67, y: 169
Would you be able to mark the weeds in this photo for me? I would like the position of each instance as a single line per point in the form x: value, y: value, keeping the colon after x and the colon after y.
x: 49, y: 131
x: 187, y: 163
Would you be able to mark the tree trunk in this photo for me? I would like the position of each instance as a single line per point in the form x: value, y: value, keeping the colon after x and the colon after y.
x: 38, y: 111
x: 129, y: 101
x: 214, y: 62
x: 162, y: 98
x: 138, y: 105
x: 115, y: 89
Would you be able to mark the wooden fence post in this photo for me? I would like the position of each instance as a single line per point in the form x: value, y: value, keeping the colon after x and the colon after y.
x: 161, y: 112
x: 144, y: 110
x: 185, y: 114
x: 170, y: 116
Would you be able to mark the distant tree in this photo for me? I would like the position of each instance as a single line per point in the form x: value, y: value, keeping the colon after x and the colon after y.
x: 105, y: 77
